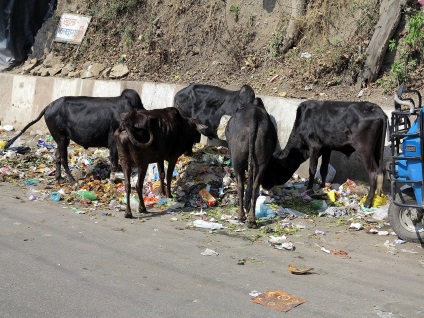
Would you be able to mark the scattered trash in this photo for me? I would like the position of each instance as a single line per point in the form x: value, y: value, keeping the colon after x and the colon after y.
x: 357, y: 226
x: 319, y: 205
x: 325, y: 250
x: 284, y: 212
x: 134, y: 201
x: 254, y: 293
x: 55, y: 196
x: 383, y: 232
x: 77, y: 211
x: 31, y: 182
x: 208, y: 225
x: 263, y: 211
x: 294, y: 270
x: 399, y: 241
x: 341, y: 253
x: 87, y: 195
x: 277, y: 239
x: 285, y: 246
x: 319, y: 232
x: 209, y: 252
x: 334, y: 211
x: 278, y: 299
x: 378, y: 200
x: 207, y: 197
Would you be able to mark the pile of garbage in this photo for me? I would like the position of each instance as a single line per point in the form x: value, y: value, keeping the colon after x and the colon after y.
x: 203, y: 184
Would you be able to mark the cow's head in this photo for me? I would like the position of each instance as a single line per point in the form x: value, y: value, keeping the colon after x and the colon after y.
x: 139, y: 126
x: 281, y: 169
x: 132, y: 97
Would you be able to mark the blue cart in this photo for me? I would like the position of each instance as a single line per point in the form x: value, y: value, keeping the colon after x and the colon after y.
x: 405, y: 171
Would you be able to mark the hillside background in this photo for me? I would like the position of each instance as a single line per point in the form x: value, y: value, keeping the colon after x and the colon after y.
x: 230, y: 43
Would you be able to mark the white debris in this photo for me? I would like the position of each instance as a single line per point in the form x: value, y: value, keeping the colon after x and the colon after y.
x: 209, y: 252
x: 357, y: 226
x: 208, y: 225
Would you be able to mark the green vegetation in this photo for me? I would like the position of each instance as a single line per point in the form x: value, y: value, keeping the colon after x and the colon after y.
x: 236, y: 11
x: 409, y: 51
x: 276, y: 43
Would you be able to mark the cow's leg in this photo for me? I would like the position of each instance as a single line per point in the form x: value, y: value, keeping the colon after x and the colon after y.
x: 161, y: 172
x: 240, y: 192
x: 142, y: 169
x: 64, y: 158
x: 313, y: 162
x: 325, y: 161
x: 169, y: 173
x: 126, y: 168
x: 113, y: 155
x: 61, y: 157
x: 257, y: 178
x: 374, y: 172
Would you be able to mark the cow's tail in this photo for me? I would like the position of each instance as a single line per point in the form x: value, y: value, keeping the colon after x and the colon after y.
x: 251, y: 169
x: 379, y: 155
x: 11, y: 141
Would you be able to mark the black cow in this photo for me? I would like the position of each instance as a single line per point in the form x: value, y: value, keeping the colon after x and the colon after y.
x: 323, y: 126
x: 149, y: 136
x: 251, y: 138
x: 204, y: 105
x: 88, y: 121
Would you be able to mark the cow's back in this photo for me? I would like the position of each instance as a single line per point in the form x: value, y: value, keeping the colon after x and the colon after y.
x: 251, y: 123
x: 334, y: 123
x: 88, y: 121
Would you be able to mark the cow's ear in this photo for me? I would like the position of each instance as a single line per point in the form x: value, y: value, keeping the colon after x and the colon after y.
x: 246, y: 95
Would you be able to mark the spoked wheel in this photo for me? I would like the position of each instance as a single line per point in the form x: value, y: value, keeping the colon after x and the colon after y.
x: 408, y: 223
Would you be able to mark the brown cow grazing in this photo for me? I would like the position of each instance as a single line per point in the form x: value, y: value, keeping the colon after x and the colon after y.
x: 323, y: 126
x: 149, y: 136
x: 251, y: 138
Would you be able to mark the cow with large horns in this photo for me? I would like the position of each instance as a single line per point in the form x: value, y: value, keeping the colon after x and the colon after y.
x: 149, y: 136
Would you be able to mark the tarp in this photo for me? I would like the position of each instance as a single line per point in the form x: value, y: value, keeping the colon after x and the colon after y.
x: 20, y: 21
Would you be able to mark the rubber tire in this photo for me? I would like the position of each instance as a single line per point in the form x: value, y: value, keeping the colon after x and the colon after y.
x: 396, y: 213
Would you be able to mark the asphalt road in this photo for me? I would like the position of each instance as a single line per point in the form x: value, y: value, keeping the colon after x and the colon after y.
x: 56, y: 263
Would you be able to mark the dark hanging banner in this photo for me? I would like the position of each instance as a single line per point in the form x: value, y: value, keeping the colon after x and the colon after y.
x: 20, y: 21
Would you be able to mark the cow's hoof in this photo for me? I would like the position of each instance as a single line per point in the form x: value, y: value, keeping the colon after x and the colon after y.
x: 142, y: 211
x: 252, y: 224
x: 241, y: 218
x: 128, y: 215
x: 61, y: 180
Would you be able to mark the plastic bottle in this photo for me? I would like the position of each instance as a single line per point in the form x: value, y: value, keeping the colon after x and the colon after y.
x: 87, y: 195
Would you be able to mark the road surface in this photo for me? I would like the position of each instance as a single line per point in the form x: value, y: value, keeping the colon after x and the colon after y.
x: 57, y: 263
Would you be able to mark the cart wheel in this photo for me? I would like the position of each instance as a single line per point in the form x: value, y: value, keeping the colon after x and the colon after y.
x: 407, y: 222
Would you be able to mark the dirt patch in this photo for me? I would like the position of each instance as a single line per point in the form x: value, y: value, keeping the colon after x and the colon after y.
x: 230, y: 43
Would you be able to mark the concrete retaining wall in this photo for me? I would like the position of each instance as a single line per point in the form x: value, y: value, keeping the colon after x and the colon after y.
x: 22, y: 98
